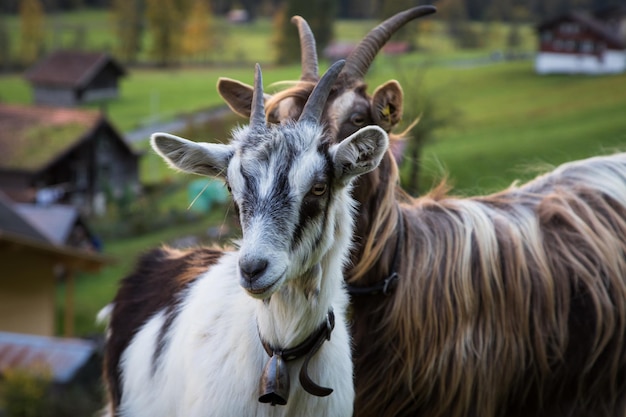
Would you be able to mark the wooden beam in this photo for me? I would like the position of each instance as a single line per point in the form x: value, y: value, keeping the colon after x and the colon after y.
x: 69, y: 303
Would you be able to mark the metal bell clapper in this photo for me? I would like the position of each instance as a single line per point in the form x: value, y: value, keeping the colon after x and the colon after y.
x: 274, y: 387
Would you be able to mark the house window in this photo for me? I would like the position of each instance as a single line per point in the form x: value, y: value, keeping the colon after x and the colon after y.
x: 81, y: 180
x: 546, y: 36
x: 587, y: 46
x: 103, y: 144
x: 569, y: 28
x: 558, y: 45
x: 104, y: 150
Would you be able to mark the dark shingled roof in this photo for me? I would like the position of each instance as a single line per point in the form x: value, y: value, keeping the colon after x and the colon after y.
x: 13, y: 222
x: 17, y: 230
x: 33, y: 136
x: 70, y: 68
x: 55, y: 221
x: 598, y: 27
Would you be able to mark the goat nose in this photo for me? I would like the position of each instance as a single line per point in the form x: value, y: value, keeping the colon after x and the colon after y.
x: 251, y: 268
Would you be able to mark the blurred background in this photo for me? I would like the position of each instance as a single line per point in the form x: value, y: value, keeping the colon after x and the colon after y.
x: 503, y: 90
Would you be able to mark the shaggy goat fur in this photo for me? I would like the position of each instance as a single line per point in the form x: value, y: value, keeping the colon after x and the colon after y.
x: 512, y: 304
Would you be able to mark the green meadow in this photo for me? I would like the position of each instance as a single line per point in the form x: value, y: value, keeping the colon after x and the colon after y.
x: 511, y: 123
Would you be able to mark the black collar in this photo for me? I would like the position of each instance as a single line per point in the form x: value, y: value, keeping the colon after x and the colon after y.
x: 275, y: 378
x: 387, y: 285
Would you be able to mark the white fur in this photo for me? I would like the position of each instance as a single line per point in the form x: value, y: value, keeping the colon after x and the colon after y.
x: 214, y: 359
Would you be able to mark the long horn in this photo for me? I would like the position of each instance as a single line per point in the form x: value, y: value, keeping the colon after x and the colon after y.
x: 308, y: 52
x: 317, y: 100
x: 257, y: 111
x: 359, y: 61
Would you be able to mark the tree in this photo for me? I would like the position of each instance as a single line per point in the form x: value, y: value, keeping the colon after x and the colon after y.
x: 432, y: 110
x: 129, y: 28
x: 199, y: 31
x: 454, y: 12
x: 31, y: 31
x: 320, y: 14
x: 164, y: 19
x: 409, y: 32
x: 358, y: 9
x: 5, y: 43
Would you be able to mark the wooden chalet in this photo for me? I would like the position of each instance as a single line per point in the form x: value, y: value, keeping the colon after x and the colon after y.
x: 66, y: 156
x: 33, y: 263
x: 69, y: 78
x: 578, y: 42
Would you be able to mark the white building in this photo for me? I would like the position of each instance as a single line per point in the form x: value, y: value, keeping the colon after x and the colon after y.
x: 577, y: 43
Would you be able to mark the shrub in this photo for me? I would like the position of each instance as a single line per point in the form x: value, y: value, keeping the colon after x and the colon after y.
x: 23, y: 391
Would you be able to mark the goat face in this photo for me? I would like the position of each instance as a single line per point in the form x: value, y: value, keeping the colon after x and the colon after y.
x: 287, y: 183
x: 349, y: 107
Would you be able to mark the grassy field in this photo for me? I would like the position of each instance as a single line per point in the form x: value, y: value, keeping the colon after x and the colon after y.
x: 236, y: 43
x: 510, y: 121
x: 151, y: 95
x: 513, y: 120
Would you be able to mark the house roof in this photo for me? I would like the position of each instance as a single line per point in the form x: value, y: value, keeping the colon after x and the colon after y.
x: 54, y: 221
x: 14, y: 223
x: 74, y: 259
x: 62, y: 357
x: 33, y: 136
x: 594, y: 25
x: 611, y: 11
x: 71, y: 68
x: 17, y: 231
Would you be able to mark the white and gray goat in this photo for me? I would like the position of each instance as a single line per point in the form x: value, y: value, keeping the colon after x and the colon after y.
x: 206, y: 332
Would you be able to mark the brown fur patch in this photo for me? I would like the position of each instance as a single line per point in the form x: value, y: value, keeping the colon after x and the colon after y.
x: 156, y: 284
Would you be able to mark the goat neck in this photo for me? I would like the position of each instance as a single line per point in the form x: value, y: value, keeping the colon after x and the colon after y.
x: 377, y: 230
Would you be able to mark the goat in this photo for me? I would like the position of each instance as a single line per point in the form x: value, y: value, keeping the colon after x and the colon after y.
x: 511, y: 304
x: 190, y: 331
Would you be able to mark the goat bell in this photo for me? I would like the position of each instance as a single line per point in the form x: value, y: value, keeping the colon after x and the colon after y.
x: 275, y: 382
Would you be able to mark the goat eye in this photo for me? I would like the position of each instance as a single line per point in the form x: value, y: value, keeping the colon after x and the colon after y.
x: 357, y: 119
x: 318, y: 189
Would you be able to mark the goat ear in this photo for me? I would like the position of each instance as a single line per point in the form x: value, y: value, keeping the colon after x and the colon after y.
x: 359, y: 153
x: 197, y: 158
x: 237, y: 95
x: 387, y: 105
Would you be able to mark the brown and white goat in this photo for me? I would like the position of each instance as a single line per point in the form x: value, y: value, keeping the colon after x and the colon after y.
x: 206, y: 332
x: 511, y: 304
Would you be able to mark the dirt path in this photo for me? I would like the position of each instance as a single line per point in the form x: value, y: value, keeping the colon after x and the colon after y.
x: 176, y: 125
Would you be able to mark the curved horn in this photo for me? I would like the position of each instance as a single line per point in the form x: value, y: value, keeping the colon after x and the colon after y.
x: 308, y: 52
x: 257, y: 111
x: 359, y: 61
x: 317, y: 100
